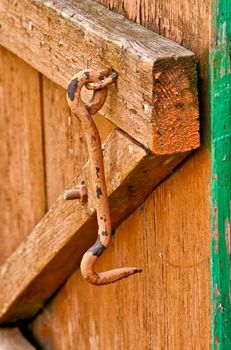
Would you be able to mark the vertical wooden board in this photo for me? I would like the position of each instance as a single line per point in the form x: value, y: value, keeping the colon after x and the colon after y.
x: 185, y: 22
x: 175, y: 250
x: 76, y: 318
x: 21, y: 161
x: 168, y: 305
x: 64, y: 140
x: 104, y: 126
x: 65, y: 147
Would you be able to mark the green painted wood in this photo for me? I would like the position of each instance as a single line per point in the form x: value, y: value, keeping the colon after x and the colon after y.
x: 220, y: 117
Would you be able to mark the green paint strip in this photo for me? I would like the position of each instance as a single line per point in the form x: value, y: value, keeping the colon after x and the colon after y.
x: 220, y: 117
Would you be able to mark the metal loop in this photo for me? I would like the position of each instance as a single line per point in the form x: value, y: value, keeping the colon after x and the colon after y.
x: 112, y: 78
x: 93, y: 80
x: 84, y: 111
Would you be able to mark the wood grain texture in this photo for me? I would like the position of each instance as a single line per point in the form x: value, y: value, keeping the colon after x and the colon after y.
x: 54, y: 248
x: 21, y: 160
x: 156, y: 96
x: 12, y: 339
x: 170, y: 309
x: 64, y: 140
x: 168, y: 305
x: 185, y: 22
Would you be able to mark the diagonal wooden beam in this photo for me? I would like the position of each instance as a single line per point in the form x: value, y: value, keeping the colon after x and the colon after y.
x: 54, y: 248
x: 11, y: 338
x: 156, y: 96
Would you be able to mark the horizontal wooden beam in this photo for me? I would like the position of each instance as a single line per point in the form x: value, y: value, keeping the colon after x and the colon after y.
x: 155, y: 100
x: 54, y: 249
x: 11, y: 338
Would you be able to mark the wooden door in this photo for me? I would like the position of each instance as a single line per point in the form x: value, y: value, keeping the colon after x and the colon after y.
x: 179, y: 234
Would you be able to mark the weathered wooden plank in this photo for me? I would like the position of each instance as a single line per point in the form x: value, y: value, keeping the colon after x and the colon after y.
x: 12, y: 339
x: 64, y: 141
x: 171, y: 303
x: 167, y: 306
x: 21, y: 152
x: 155, y: 100
x: 54, y: 248
x: 185, y: 22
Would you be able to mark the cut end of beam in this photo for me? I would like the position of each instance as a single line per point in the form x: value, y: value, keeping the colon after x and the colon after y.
x: 175, y: 106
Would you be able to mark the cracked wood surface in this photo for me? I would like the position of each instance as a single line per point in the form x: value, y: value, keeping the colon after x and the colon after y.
x: 47, y: 257
x: 155, y: 100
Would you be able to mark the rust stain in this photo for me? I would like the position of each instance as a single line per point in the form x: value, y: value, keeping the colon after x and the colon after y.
x: 216, y: 292
x: 216, y: 295
x: 216, y: 341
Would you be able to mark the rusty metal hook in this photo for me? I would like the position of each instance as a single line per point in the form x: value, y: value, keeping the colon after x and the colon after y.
x: 97, y: 81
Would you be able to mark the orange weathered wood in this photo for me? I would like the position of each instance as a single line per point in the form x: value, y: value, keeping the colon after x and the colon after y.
x: 22, y: 202
x: 12, y: 339
x: 54, y: 248
x: 167, y: 306
x: 185, y: 22
x: 64, y: 141
x: 155, y: 100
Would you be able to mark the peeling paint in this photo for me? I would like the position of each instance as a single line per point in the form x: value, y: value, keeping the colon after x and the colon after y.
x: 228, y: 235
x: 215, y: 228
x: 216, y: 292
x: 220, y: 121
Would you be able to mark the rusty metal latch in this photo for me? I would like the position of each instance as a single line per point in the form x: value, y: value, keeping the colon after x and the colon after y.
x: 97, y: 81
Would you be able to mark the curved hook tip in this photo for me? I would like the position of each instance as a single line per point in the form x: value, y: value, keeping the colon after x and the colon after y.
x: 111, y: 276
